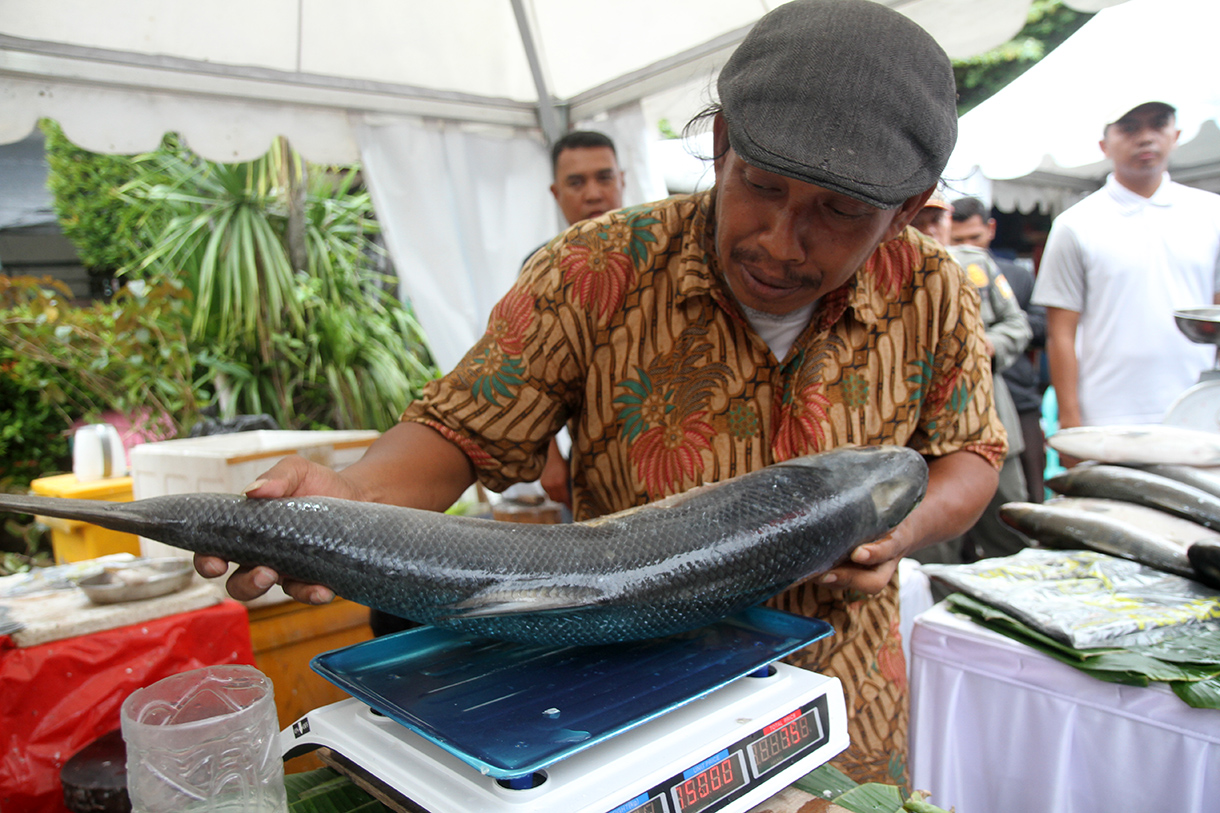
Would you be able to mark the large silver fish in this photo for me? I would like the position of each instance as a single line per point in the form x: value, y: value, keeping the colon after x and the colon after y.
x: 1141, y: 444
x: 1181, y: 532
x: 1139, y: 487
x: 1204, y: 478
x: 1078, y: 529
x: 660, y: 569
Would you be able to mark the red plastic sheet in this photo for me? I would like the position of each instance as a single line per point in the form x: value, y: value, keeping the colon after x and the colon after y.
x: 58, y: 697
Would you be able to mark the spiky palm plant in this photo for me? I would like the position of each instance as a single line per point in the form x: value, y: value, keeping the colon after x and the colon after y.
x: 315, y: 342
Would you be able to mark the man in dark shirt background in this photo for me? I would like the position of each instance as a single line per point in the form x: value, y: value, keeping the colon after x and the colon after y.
x: 973, y: 225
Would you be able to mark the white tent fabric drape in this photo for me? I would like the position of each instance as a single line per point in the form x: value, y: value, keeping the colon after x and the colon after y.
x: 461, y: 208
x: 455, y: 210
x: 1041, y: 132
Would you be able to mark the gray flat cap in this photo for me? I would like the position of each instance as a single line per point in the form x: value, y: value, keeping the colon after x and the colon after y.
x: 848, y: 95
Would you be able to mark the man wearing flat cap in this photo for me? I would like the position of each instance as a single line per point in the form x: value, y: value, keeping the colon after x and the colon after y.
x: 787, y: 311
x: 1115, y: 268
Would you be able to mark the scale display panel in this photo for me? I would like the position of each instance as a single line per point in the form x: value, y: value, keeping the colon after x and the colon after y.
x: 725, y: 775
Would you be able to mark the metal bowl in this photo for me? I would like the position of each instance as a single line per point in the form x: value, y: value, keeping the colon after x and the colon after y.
x: 138, y: 579
x: 1201, y: 325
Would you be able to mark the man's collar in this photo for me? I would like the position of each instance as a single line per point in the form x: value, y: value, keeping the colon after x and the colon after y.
x: 1131, y: 202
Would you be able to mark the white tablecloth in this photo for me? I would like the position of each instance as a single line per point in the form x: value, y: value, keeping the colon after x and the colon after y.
x: 914, y: 596
x: 997, y: 726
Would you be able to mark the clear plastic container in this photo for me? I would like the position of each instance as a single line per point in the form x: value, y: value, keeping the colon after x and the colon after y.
x: 205, y: 740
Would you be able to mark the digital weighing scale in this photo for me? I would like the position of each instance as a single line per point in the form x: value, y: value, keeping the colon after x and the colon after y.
x: 695, y: 723
x: 1199, y: 406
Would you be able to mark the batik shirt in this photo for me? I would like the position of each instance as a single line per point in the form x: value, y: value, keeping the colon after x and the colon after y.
x: 624, y: 329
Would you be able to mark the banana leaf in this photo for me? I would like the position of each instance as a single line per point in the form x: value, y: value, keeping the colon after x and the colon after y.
x: 828, y: 782
x: 1181, y: 664
x: 1201, y: 694
x: 325, y: 790
x: 871, y: 798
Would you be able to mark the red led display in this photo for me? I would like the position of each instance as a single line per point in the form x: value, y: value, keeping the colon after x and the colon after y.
x: 710, y: 785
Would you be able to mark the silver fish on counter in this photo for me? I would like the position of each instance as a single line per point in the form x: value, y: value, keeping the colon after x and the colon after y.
x: 1181, y: 532
x: 1204, y: 478
x: 1139, y: 487
x: 1139, y: 444
x: 1076, y: 529
x: 664, y: 568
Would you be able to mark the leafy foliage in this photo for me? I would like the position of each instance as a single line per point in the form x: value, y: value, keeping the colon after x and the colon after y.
x: 327, y: 344
x: 979, y: 77
x: 290, y: 316
x: 129, y: 355
x: 60, y: 363
x: 32, y: 443
x: 108, y: 236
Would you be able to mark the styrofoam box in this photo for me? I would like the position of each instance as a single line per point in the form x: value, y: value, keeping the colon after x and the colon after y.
x: 228, y: 463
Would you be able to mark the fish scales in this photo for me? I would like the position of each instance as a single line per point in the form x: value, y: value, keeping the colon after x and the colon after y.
x: 1203, y: 478
x: 660, y: 569
x: 1171, y: 528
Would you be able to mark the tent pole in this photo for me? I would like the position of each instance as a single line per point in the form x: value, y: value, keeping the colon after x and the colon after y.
x: 548, y: 114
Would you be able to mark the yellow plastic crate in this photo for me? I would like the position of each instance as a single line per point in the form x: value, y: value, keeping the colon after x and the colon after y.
x: 75, y: 541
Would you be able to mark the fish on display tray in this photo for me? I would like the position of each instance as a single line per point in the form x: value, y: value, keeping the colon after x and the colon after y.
x: 1204, y: 478
x: 1061, y: 526
x: 1140, y: 487
x: 1139, y: 444
x: 659, y: 569
x: 1181, y: 532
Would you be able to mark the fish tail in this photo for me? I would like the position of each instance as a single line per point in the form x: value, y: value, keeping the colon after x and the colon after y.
x: 115, y: 516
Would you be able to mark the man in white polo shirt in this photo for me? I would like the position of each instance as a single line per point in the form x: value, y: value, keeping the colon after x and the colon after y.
x: 1116, y: 266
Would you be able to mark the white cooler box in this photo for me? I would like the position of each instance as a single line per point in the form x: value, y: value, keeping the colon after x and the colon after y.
x: 229, y: 463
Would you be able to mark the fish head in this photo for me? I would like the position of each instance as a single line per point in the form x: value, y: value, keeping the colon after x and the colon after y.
x: 899, y: 485
x: 896, y: 477
x: 1026, y: 517
x: 1204, y: 557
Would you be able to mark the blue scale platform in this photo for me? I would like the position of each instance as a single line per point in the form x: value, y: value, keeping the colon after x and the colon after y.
x: 511, y: 709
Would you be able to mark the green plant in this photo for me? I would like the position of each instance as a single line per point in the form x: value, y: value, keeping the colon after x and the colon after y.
x: 33, y: 443
x: 129, y: 355
x: 33, y: 435
x: 1048, y: 24
x: 108, y: 235
x: 315, y: 341
x: 60, y: 364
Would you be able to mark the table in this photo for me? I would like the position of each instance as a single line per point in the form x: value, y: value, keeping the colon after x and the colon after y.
x: 997, y: 726
x: 286, y: 636
x: 59, y: 695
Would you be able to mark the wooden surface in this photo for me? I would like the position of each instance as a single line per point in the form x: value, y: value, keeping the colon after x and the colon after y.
x: 286, y: 636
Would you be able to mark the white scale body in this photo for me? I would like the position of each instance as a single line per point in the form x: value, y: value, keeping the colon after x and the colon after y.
x: 674, y: 763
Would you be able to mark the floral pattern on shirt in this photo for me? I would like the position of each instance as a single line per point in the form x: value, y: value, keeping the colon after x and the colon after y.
x: 663, y: 414
x: 624, y: 327
x: 601, y: 264
x: 497, y: 369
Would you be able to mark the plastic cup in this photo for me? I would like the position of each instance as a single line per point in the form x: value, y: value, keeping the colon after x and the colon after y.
x: 204, y: 740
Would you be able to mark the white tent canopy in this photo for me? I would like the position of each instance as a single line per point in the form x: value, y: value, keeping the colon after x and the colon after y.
x: 449, y: 104
x: 1036, y: 140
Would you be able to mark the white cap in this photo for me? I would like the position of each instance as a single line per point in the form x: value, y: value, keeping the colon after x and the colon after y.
x: 1118, y: 111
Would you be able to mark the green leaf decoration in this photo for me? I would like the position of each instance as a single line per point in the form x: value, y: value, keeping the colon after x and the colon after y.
x: 327, y: 791
x: 1196, y: 682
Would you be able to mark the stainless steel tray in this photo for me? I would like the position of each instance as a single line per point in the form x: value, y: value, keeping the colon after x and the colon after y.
x: 138, y: 579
